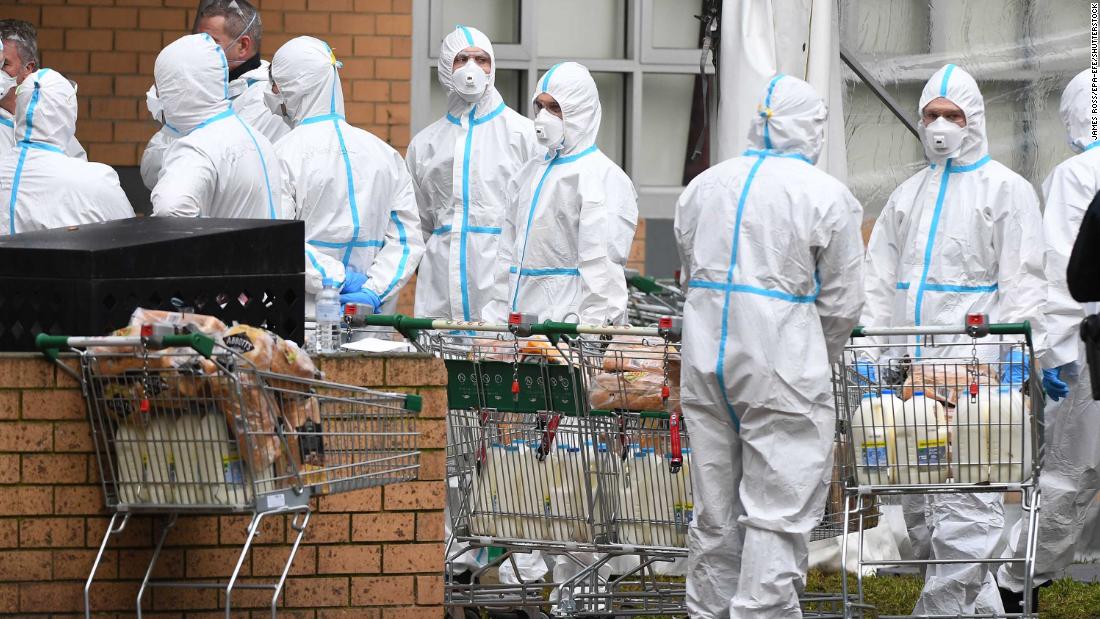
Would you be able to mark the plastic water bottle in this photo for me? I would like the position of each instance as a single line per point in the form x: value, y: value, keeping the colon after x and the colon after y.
x: 328, y: 317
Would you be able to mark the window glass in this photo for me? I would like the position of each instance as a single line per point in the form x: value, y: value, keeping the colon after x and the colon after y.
x: 666, y: 115
x: 498, y: 19
x: 581, y: 29
x: 674, y: 24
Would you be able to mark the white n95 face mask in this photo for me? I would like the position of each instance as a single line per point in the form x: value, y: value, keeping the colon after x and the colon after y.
x: 7, y: 82
x: 153, y: 102
x: 549, y: 130
x: 942, y: 139
x: 470, y: 81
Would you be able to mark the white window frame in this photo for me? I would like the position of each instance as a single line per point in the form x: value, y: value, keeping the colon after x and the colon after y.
x: 654, y: 201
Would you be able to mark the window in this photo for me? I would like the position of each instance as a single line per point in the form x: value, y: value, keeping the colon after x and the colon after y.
x: 643, y: 54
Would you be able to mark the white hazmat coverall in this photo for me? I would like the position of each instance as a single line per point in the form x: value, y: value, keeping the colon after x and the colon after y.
x: 40, y: 185
x: 1071, y: 462
x: 771, y: 256
x: 961, y: 236
x: 8, y: 137
x: 247, y: 96
x: 218, y: 166
x: 349, y: 187
x: 461, y: 165
x: 568, y: 232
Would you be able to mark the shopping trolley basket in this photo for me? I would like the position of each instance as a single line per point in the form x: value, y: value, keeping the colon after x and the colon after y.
x: 943, y: 409
x: 649, y: 299
x: 182, y: 424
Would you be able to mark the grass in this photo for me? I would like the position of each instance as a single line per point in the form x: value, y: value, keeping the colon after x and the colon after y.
x: 896, y: 595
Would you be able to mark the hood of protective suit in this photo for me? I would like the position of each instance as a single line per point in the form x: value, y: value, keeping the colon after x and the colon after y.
x: 1076, y: 111
x: 790, y: 119
x: 573, y: 88
x: 306, y: 71
x: 192, y: 78
x: 958, y: 87
x: 459, y: 39
x: 45, y: 109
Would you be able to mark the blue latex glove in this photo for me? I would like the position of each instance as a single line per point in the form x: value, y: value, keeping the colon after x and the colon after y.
x: 353, y: 281
x: 866, y: 370
x: 1014, y: 371
x: 364, y: 297
x: 1053, y: 384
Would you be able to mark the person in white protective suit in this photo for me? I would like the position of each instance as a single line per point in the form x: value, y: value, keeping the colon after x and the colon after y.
x: 461, y: 165
x: 963, y: 235
x: 1071, y: 462
x: 569, y: 228
x: 349, y: 187
x: 40, y: 185
x: 237, y: 28
x: 20, y: 59
x: 771, y: 258
x: 219, y: 166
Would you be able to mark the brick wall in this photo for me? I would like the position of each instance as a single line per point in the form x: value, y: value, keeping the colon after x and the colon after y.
x: 109, y: 46
x: 374, y: 553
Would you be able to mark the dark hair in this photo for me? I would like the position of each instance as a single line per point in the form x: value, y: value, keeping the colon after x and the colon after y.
x: 238, y: 14
x: 23, y: 35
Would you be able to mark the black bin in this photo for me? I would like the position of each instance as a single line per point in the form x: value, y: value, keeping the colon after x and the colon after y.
x: 87, y: 280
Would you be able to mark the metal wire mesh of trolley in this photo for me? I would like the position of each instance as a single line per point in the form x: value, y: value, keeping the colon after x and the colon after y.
x: 942, y: 409
x: 567, y: 440
x: 650, y: 299
x: 182, y: 424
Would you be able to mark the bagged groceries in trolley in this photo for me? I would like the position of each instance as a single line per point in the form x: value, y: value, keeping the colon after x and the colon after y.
x: 191, y: 430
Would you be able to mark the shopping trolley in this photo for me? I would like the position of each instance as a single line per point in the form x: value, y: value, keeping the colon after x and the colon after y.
x: 181, y: 424
x: 649, y: 298
x: 933, y: 410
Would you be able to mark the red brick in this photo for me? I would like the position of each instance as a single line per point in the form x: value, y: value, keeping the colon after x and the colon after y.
x: 433, y: 464
x: 118, y: 18
x: 51, y: 533
x: 429, y: 590
x: 23, y: 372
x: 111, y: 595
x: 116, y: 108
x: 324, y: 529
x: 75, y: 564
x: 392, y: 69
x: 134, y: 86
x: 370, y: 90
x: 9, y: 468
x: 9, y: 598
x: 308, y: 23
x: 9, y: 532
x: 194, y: 531
x: 383, y: 527
x: 399, y: 92
x: 52, y: 597
x: 417, y: 612
x: 146, y: 61
x: 91, y: 40
x: 354, y: 24
x: 122, y: 63
x: 133, y: 563
x: 54, y: 469
x: 354, y: 559
x: 354, y: 371
x: 429, y: 526
x: 51, y: 38
x: 63, y: 17
x: 139, y: 41
x: 66, y: 62
x: 399, y: 138
x: 284, y: 5
x: 53, y: 404
x: 24, y: 12
x: 359, y: 115
x: 400, y: 25
x: 78, y: 500
x: 383, y: 590
x: 433, y: 433
x: 73, y: 435
x: 331, y: 5
x: 112, y: 154
x: 213, y: 562
x: 402, y: 47
x: 410, y: 558
x: 270, y: 560
x: 315, y: 592
x: 365, y: 500
x: 24, y: 565
x: 372, y: 46
x: 138, y: 533
x: 415, y: 495
x: 185, y: 599
x: 357, y: 69
x: 415, y: 370
x: 349, y: 613
x: 174, y: 20
x: 234, y: 530
x: 402, y: 7
x: 373, y: 6
x: 22, y: 436
x: 10, y: 404
x: 134, y: 130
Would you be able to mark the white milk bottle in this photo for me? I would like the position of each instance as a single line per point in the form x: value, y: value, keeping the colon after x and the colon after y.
x: 556, y: 505
x: 132, y: 464
x: 483, y: 520
x: 1009, y: 436
x: 687, y: 501
x: 631, y: 529
x: 870, y: 433
x: 161, y: 458
x: 219, y: 462
x: 187, y: 443
x: 572, y: 492
x: 507, y: 494
x: 969, y: 434
x: 921, y: 437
